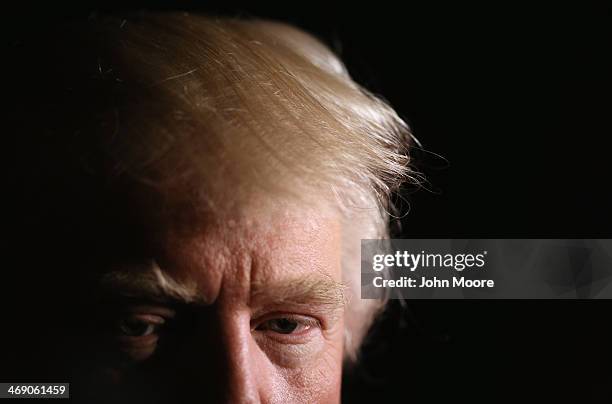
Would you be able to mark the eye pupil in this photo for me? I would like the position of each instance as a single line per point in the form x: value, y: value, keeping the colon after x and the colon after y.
x: 283, y: 325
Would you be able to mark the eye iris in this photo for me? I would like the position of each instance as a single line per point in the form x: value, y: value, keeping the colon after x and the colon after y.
x: 134, y: 328
x: 283, y: 325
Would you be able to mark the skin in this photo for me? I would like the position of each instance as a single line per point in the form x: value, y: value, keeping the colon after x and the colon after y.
x: 257, y: 295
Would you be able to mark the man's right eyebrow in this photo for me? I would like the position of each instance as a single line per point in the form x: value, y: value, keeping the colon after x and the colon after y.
x: 149, y: 282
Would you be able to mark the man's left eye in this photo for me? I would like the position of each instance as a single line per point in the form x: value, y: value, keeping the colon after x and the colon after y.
x: 287, y: 325
x: 282, y: 325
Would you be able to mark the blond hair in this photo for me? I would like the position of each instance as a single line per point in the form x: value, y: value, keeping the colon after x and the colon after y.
x: 246, y: 105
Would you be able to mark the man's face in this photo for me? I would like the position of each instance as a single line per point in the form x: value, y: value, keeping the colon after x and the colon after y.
x: 243, y: 308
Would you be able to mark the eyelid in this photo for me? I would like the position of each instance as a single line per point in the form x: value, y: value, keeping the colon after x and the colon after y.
x: 151, y: 315
x: 154, y: 310
x: 148, y: 318
x: 302, y: 319
x: 325, y: 318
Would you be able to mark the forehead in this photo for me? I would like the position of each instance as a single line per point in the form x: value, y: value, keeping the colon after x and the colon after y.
x: 230, y: 253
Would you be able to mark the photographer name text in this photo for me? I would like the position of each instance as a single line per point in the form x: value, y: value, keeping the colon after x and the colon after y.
x: 405, y: 261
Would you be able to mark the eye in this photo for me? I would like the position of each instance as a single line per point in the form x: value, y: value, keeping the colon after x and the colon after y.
x: 140, y: 326
x: 137, y: 333
x: 282, y: 325
x: 136, y: 326
x: 288, y: 325
x: 289, y: 340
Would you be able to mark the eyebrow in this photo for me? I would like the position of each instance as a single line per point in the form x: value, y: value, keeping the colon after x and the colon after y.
x: 152, y: 282
x: 149, y: 282
x: 309, y: 290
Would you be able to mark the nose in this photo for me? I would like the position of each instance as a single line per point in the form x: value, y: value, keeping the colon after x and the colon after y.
x: 223, y: 363
x: 242, y: 376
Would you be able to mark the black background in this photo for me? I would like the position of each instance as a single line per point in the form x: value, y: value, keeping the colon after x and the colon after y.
x: 512, y: 106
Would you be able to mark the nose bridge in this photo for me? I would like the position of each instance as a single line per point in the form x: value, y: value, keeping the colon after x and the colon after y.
x: 239, y: 355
